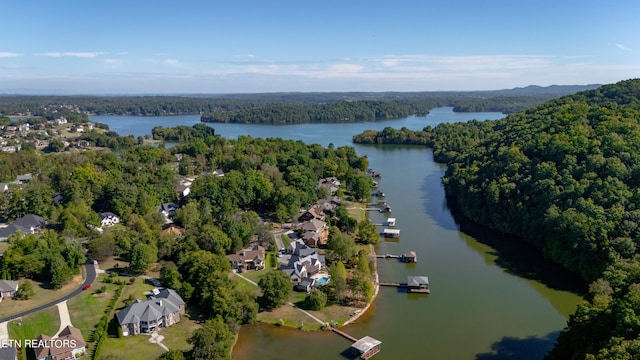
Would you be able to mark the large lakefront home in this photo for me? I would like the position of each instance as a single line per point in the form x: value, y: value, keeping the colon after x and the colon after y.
x: 143, y: 317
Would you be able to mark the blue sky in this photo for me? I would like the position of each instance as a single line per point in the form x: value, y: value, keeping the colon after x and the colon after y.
x: 130, y: 47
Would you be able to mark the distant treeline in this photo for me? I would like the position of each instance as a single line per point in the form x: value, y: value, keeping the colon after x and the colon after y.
x: 227, y: 105
x: 344, y: 111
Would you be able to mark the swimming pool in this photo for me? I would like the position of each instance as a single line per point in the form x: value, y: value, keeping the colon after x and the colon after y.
x: 323, y: 280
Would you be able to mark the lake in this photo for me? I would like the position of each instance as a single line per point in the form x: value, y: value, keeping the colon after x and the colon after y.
x: 492, y: 297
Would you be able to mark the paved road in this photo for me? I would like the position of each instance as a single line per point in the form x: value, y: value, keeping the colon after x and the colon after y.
x: 91, y: 276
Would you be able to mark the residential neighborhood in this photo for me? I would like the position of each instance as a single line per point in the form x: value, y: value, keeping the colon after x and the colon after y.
x: 157, y: 246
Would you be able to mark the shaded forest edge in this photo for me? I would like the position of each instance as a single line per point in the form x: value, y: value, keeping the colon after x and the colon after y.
x: 289, y: 108
x: 564, y: 176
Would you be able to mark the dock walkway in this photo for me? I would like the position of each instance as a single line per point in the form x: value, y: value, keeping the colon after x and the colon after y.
x: 344, y: 334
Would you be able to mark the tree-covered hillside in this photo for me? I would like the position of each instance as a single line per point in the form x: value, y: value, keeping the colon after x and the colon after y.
x: 565, y: 176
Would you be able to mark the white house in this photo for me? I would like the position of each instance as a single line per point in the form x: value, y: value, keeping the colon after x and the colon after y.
x: 108, y: 219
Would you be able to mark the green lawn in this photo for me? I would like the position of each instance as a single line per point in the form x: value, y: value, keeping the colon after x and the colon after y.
x: 42, y: 294
x: 31, y: 326
x: 136, y: 289
x: 139, y: 347
x: 87, y: 308
x: 355, y: 210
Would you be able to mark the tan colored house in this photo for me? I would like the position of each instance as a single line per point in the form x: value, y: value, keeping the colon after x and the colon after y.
x: 315, y: 232
x: 68, y: 345
x: 251, y: 258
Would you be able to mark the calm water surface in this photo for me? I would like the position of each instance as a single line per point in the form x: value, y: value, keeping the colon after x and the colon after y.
x: 492, y: 297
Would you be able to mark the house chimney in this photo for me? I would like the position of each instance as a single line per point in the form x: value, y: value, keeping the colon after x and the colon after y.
x: 159, y: 302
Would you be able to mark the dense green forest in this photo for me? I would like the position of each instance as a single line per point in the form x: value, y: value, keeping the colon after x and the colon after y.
x: 345, y: 111
x: 226, y: 106
x: 564, y: 176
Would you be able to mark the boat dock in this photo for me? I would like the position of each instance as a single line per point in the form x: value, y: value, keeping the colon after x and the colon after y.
x: 408, y: 257
x: 365, y: 347
x: 391, y: 233
x: 344, y: 334
x: 414, y: 284
x: 388, y: 256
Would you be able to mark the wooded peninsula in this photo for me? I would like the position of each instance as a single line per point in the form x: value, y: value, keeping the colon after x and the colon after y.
x: 564, y: 176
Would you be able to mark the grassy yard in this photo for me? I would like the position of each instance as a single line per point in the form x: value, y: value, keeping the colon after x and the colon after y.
x: 291, y: 316
x: 355, y: 210
x: 135, y: 289
x: 139, y: 348
x: 87, y: 308
x: 31, y: 326
x: 42, y: 294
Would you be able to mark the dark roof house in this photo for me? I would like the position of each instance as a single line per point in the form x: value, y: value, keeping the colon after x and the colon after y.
x: 8, y: 288
x: 143, y: 317
x: 28, y: 224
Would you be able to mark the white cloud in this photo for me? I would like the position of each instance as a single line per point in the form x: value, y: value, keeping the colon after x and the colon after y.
x: 622, y: 47
x: 9, y: 54
x: 113, y: 63
x: 173, y: 63
x: 86, y: 55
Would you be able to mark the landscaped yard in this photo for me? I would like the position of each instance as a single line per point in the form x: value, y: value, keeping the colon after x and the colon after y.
x: 355, y: 210
x: 139, y: 347
x: 288, y: 315
x: 42, y: 294
x: 87, y: 308
x: 31, y: 326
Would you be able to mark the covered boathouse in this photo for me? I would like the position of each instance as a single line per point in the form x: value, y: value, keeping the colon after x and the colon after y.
x: 366, y: 347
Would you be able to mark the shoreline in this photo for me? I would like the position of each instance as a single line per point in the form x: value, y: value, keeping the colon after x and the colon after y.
x: 375, y: 294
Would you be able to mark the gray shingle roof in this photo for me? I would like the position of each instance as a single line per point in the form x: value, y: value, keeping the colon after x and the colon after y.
x: 165, y: 303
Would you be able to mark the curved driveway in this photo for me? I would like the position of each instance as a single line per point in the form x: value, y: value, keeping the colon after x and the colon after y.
x: 91, y: 276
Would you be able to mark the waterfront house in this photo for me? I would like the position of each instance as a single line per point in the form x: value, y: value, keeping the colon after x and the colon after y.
x: 315, y: 227
x: 305, y: 285
x: 315, y: 212
x: 144, y: 317
x: 330, y: 203
x: 331, y: 182
x: 68, y: 345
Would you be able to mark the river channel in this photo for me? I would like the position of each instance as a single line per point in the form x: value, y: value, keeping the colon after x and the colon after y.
x: 492, y: 297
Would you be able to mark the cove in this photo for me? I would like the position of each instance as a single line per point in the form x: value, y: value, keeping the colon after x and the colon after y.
x: 492, y: 297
